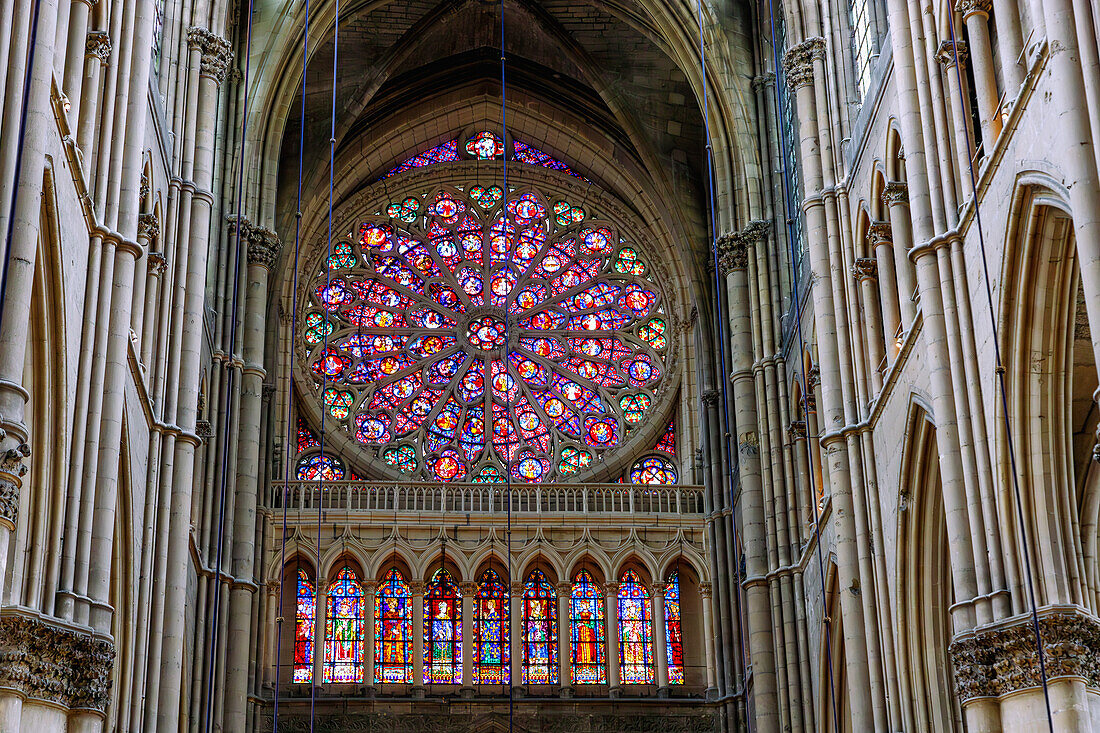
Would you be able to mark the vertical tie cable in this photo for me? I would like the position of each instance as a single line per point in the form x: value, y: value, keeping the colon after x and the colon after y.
x: 999, y: 370
x: 723, y: 378
x: 324, y: 372
x: 215, y: 616
x: 788, y: 205
x: 291, y: 442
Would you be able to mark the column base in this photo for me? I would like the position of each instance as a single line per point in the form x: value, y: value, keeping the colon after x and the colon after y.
x: 662, y: 692
x: 418, y: 693
x: 466, y: 693
x: 615, y: 692
x: 566, y: 693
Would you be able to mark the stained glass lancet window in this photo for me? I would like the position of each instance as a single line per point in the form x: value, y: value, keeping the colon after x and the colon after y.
x: 393, y: 630
x: 491, y: 653
x: 635, y: 631
x: 305, y: 610
x: 587, y: 631
x: 442, y: 631
x: 417, y: 360
x: 344, y: 629
x: 540, y: 631
x: 674, y: 636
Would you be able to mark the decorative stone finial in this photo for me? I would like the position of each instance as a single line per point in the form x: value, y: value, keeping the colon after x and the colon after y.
x: 798, y: 62
x: 216, y: 53
x: 98, y: 45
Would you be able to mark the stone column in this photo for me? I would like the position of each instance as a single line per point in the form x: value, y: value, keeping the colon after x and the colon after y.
x: 865, y: 271
x: 147, y: 232
x: 660, y: 646
x: 417, y: 588
x: 320, y: 618
x: 74, y: 60
x: 565, y: 643
x: 469, y: 598
x: 895, y: 196
x: 879, y: 238
x: 262, y: 252
x: 734, y: 254
x: 210, y: 54
x: 370, y: 591
x: 155, y: 268
x: 611, y: 616
x: 948, y: 57
x: 97, y: 53
x: 708, y: 636
x: 976, y: 16
x: 518, y: 647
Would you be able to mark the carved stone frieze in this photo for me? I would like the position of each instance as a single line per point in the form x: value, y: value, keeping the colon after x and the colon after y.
x: 62, y: 666
x: 216, y: 52
x: 798, y: 62
x: 996, y: 661
x: 98, y: 45
x: 948, y: 52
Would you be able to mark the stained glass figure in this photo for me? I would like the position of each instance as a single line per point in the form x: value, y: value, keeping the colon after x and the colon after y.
x: 344, y: 629
x: 674, y: 637
x: 305, y: 611
x: 586, y: 615
x: 393, y: 630
x: 635, y: 631
x: 442, y: 631
x: 491, y: 652
x: 653, y: 470
x: 489, y: 338
x: 540, y: 631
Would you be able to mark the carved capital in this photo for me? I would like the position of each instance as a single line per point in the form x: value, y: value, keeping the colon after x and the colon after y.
x: 204, y: 430
x: 611, y: 589
x: 417, y: 587
x: 9, y: 497
x: 797, y: 430
x: 710, y: 397
x: 370, y: 587
x: 62, y: 666
x: 813, y: 377
x: 732, y: 253
x: 764, y: 81
x: 11, y: 460
x: 143, y: 186
x: 970, y: 7
x: 216, y: 53
x: 949, y: 52
x: 516, y: 589
x: 705, y: 591
x: 148, y: 226
x: 895, y: 192
x: 263, y: 247
x: 467, y: 588
x: 798, y: 62
x: 564, y: 589
x: 660, y: 588
x: 1001, y: 659
x: 865, y: 268
x: 98, y: 45
x: 879, y: 233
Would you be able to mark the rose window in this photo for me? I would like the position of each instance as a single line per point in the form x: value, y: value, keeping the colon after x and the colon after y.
x: 471, y: 339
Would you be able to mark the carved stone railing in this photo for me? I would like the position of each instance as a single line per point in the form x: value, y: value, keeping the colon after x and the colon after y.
x: 468, y: 498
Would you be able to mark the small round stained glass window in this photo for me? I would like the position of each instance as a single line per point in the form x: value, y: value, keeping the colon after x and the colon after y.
x: 653, y: 470
x: 473, y: 336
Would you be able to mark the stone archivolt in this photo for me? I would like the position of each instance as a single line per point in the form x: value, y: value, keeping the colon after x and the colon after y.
x: 996, y: 661
x: 62, y: 666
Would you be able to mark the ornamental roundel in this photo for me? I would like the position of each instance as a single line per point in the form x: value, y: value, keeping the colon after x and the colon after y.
x: 465, y: 343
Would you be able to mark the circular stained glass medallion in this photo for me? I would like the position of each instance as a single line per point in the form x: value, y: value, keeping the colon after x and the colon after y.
x: 478, y: 336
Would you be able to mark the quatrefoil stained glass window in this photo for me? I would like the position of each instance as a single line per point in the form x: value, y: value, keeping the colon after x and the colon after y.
x: 468, y: 334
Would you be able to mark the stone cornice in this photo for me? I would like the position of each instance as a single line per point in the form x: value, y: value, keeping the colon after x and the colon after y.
x: 798, y: 62
x: 62, y: 666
